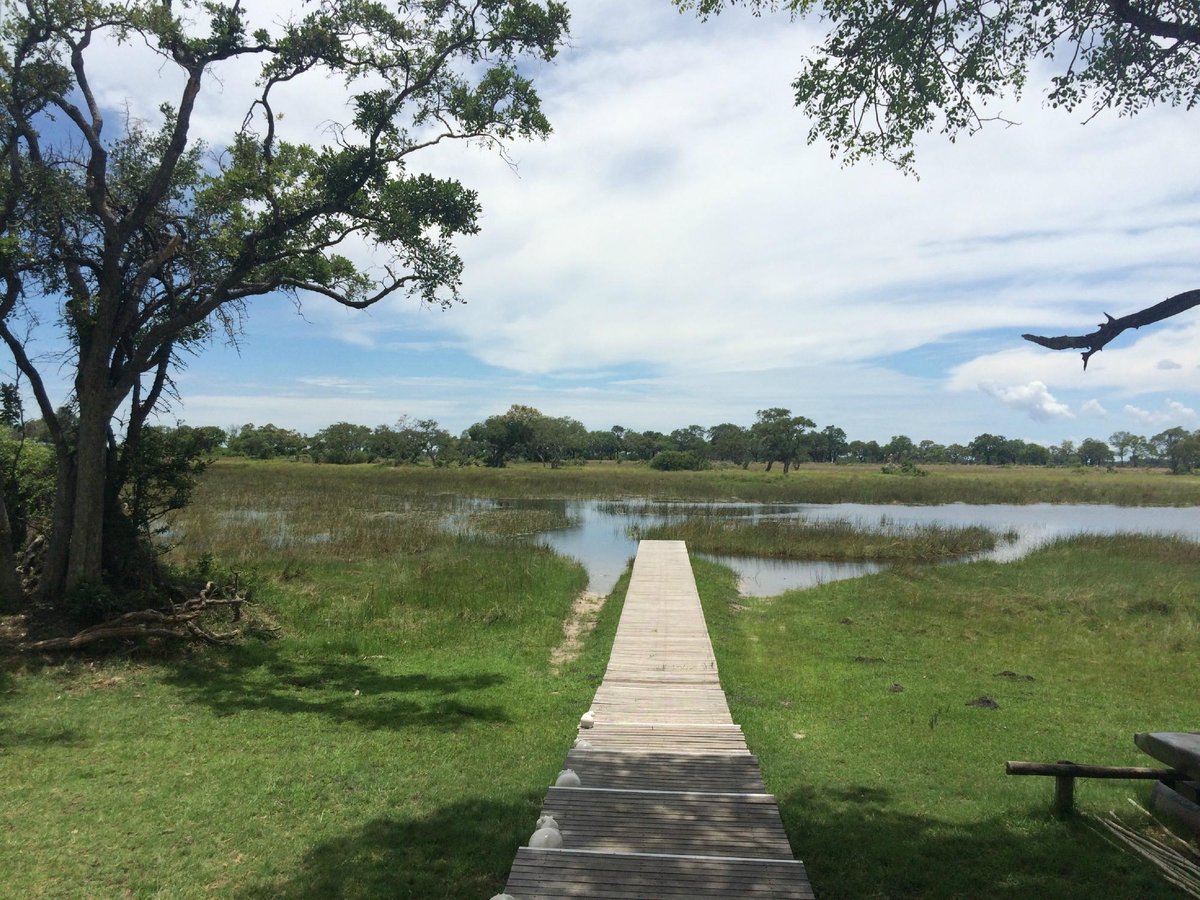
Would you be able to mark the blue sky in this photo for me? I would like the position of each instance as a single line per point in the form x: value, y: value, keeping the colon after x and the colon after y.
x: 677, y: 254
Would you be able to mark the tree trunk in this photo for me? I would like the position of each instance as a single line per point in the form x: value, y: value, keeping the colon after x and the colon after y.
x: 770, y: 462
x: 54, y: 565
x: 91, y: 469
x: 11, y: 594
x: 787, y: 464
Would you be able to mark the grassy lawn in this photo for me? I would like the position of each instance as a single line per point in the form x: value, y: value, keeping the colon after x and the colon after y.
x: 396, y: 741
x: 856, y: 698
x: 398, y: 736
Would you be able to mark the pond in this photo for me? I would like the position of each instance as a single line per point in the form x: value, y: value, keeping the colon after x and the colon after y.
x: 598, y: 536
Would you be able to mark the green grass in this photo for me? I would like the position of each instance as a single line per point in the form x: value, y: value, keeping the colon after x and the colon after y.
x: 836, y: 541
x: 810, y: 483
x: 396, y: 741
x: 902, y: 793
x: 398, y: 738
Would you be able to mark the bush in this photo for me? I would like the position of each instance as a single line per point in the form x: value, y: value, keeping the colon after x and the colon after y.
x: 908, y: 467
x: 675, y: 460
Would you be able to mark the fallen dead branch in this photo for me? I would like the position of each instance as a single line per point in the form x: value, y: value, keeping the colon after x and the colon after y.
x: 177, y: 621
x: 1174, y: 866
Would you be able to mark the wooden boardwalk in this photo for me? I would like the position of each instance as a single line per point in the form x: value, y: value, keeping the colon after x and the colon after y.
x: 671, y: 802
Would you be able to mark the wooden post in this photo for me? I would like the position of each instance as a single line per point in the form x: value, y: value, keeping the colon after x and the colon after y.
x: 1064, y: 796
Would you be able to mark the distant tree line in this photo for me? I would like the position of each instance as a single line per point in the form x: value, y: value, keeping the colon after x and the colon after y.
x: 776, y: 437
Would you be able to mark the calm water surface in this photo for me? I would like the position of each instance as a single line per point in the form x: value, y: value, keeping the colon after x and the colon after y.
x: 599, y: 539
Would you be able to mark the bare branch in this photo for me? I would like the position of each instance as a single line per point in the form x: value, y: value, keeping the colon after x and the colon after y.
x: 1095, y: 342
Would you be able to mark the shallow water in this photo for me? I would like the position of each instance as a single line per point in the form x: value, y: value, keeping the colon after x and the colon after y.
x: 599, y: 540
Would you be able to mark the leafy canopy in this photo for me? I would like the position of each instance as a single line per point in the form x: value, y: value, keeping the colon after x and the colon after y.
x: 889, y: 70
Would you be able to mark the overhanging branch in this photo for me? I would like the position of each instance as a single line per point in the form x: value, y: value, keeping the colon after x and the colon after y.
x: 1095, y: 342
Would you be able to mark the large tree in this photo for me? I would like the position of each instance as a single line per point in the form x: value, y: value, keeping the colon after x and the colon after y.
x: 142, y: 242
x: 890, y: 70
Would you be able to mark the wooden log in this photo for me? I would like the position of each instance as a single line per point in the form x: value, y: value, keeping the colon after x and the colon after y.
x: 1065, y: 772
x: 1075, y: 770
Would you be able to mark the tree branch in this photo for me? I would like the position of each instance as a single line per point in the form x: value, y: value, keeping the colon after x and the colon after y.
x: 1095, y: 342
x: 1125, y: 11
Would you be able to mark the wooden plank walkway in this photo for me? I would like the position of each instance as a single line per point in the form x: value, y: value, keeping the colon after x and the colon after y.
x: 671, y: 802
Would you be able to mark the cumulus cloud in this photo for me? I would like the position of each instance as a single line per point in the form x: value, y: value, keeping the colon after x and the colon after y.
x: 678, y: 224
x: 1093, y: 407
x: 1173, y: 412
x: 1032, y: 398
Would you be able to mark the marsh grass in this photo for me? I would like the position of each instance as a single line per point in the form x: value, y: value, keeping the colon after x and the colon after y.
x: 855, y: 696
x: 507, y: 522
x: 809, y: 483
x: 835, y: 541
x: 395, y: 741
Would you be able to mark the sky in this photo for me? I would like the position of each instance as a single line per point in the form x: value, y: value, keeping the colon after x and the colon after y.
x: 676, y: 253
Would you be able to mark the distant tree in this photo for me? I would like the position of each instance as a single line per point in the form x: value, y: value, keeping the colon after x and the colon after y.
x: 266, y: 442
x: 866, y: 451
x: 644, y: 445
x: 780, y: 435
x: 1064, y: 454
x: 1178, y: 447
x: 342, y: 443
x: 1140, y: 450
x: 1095, y: 452
x: 899, y: 449
x: 603, y: 445
x: 957, y: 454
x: 555, y: 439
x: 890, y: 71
x: 931, y: 452
x: 832, y: 444
x: 1033, y: 455
x: 507, y: 436
x: 731, y: 443
x: 692, y: 439
x: 1122, y: 442
x: 990, y: 450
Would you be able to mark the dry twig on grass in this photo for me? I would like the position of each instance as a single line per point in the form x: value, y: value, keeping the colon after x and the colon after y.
x: 1178, y: 868
x: 178, y: 621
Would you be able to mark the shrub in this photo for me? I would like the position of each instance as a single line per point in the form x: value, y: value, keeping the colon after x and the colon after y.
x: 675, y: 460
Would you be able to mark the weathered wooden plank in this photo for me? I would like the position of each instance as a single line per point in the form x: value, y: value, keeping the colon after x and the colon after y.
x: 671, y: 803
x: 1178, y: 749
x: 737, y: 772
x: 684, y: 738
x: 746, y: 825
x: 563, y: 873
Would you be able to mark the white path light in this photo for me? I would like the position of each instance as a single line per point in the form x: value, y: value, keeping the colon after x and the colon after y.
x: 567, y: 778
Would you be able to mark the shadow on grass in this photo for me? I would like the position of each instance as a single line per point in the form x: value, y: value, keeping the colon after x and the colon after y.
x: 43, y: 737
x: 461, y: 850
x: 347, y: 691
x: 854, y: 844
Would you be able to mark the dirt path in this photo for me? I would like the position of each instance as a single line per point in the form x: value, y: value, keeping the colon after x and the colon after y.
x: 576, y: 626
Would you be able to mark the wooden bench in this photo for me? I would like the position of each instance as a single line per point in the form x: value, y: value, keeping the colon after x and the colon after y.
x: 1174, y: 796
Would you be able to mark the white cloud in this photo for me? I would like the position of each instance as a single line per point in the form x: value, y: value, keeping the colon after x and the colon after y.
x: 1093, y: 407
x: 1032, y: 398
x: 677, y: 225
x: 1173, y: 413
x: 1180, y: 411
